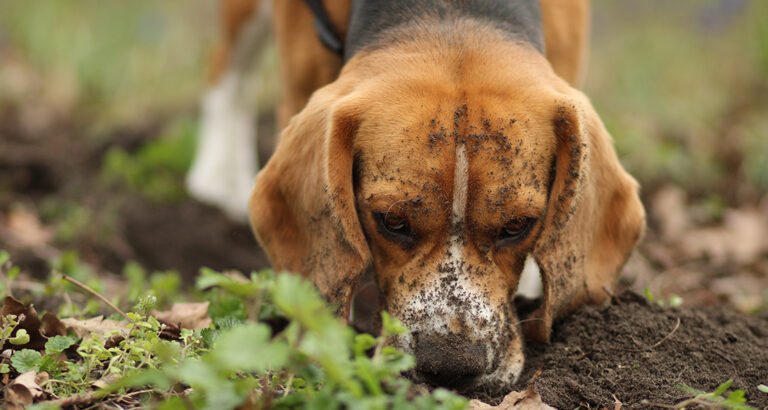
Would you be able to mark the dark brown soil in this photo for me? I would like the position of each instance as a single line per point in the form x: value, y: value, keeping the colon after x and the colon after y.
x: 61, y: 165
x: 636, y: 350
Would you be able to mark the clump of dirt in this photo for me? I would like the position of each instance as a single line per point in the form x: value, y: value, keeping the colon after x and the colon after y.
x: 638, y: 350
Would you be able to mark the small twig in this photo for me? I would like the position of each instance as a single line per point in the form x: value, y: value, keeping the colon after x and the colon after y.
x: 70, y: 400
x: 655, y: 345
x: 616, y: 403
x: 288, y: 385
x: 94, y: 293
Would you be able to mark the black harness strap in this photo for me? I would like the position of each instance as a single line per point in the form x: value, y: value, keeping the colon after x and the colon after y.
x: 325, y: 30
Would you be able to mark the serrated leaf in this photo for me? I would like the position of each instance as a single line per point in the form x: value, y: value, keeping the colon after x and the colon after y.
x: 26, y: 360
x: 21, y: 338
x: 58, y: 344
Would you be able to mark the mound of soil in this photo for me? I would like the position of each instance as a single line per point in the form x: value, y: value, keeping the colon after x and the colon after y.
x: 637, y: 350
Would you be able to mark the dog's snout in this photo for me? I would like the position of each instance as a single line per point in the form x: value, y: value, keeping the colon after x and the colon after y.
x: 449, y: 361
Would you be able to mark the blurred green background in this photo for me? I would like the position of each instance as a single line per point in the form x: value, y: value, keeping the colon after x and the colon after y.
x: 681, y: 85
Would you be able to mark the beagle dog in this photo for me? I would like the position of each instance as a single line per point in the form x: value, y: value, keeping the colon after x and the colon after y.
x: 443, y: 150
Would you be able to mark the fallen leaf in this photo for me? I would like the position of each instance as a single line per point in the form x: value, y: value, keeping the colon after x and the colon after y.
x: 528, y: 399
x: 51, y: 326
x: 29, y: 322
x: 27, y: 229
x: 32, y: 381
x: 740, y: 239
x: 669, y: 209
x: 17, y: 397
x: 94, y: 326
x: 186, y: 315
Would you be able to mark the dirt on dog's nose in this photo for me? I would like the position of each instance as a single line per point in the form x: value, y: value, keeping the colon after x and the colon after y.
x: 449, y: 361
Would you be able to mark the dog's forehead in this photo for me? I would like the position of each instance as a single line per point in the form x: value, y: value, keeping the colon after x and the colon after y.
x: 413, y: 152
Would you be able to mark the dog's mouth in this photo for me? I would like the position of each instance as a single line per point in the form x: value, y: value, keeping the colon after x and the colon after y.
x: 454, y: 363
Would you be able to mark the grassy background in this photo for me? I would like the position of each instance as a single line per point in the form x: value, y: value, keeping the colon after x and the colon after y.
x: 680, y: 85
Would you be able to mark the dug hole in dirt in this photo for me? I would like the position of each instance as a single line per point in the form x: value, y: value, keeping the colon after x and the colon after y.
x: 636, y: 352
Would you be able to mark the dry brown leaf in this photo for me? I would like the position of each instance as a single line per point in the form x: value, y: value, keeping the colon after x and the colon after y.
x: 32, y: 381
x: 670, y: 210
x: 27, y: 229
x: 24, y: 389
x: 51, y: 326
x: 29, y: 322
x: 528, y: 399
x: 740, y: 239
x: 17, y: 397
x: 187, y: 315
x: 94, y: 326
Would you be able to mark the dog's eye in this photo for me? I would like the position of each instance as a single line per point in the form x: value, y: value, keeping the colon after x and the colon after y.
x: 394, y: 226
x: 515, y: 230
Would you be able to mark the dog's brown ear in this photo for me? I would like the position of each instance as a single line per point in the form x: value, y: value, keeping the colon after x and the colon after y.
x: 303, y: 209
x: 594, y: 217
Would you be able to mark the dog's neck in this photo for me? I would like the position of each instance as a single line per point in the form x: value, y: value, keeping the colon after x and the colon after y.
x: 375, y: 23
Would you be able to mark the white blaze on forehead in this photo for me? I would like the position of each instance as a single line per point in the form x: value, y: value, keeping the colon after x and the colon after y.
x: 459, y: 208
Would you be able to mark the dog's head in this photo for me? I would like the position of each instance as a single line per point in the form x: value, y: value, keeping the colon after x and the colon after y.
x: 442, y: 172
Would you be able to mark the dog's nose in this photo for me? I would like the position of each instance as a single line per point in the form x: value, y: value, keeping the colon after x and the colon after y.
x: 449, y: 361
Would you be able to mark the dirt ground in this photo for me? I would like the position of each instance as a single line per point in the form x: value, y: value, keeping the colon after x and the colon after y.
x: 182, y: 235
x: 634, y: 350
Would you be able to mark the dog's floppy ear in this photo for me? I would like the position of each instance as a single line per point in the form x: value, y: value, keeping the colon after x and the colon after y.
x: 303, y: 206
x: 593, y: 221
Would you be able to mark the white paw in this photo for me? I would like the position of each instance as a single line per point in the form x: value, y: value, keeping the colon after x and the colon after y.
x: 225, y: 163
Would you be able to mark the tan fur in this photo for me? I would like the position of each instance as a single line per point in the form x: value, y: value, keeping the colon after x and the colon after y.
x: 307, y: 65
x: 383, y: 138
x: 566, y: 35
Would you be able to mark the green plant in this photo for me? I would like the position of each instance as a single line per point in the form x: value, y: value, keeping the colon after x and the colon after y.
x: 734, y: 400
x: 272, y: 343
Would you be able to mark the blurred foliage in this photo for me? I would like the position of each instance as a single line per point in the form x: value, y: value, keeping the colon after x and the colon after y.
x: 157, y: 169
x: 681, y: 86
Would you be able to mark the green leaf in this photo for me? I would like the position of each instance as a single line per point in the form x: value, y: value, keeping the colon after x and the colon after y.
x: 21, y: 338
x: 363, y: 342
x: 763, y: 388
x: 723, y: 387
x: 26, y: 360
x: 4, y: 257
x: 675, y: 301
x: 391, y: 326
x: 248, y: 348
x: 736, y: 396
x: 4, y: 368
x: 58, y: 344
x: 49, y: 364
x: 649, y: 295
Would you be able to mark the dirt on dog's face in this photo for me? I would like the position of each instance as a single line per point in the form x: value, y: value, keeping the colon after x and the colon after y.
x: 451, y: 203
x: 440, y: 164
